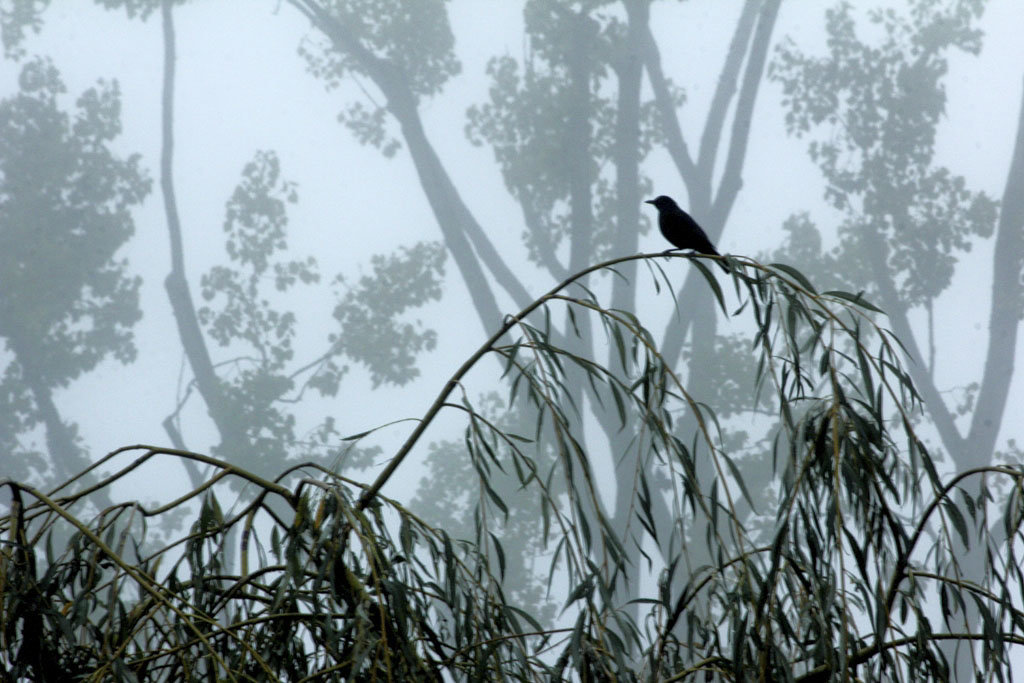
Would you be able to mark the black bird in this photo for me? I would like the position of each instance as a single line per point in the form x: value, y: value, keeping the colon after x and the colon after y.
x: 680, y: 229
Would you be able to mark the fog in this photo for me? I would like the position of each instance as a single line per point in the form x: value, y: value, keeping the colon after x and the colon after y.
x: 369, y: 347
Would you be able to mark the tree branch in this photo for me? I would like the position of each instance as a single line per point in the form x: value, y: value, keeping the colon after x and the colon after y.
x: 731, y: 182
x: 1004, y: 316
x: 577, y: 141
x: 507, y: 324
x: 461, y: 231
x: 176, y: 283
x: 724, y: 91
x: 674, y: 141
x: 629, y: 71
x: 894, y: 308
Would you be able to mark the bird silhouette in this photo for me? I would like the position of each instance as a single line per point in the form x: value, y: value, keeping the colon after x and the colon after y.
x: 681, y: 230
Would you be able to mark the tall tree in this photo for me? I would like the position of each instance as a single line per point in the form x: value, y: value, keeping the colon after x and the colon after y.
x: 68, y: 301
x: 253, y: 391
x: 873, y: 108
x: 66, y: 205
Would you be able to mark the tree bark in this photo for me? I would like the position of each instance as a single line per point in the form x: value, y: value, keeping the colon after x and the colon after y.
x: 462, y: 234
x: 712, y: 206
x: 67, y: 458
x: 1005, y: 310
x: 178, y: 292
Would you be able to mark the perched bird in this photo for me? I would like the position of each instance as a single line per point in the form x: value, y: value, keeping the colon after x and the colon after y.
x: 680, y: 229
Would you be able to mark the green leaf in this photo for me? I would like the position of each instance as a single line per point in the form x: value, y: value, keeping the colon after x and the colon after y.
x: 857, y: 299
x: 796, y: 275
x: 738, y: 477
x: 583, y: 590
x: 958, y: 521
x: 500, y: 552
x: 713, y: 283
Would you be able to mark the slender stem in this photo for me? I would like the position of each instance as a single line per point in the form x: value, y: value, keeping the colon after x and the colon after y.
x: 456, y: 378
x: 176, y: 284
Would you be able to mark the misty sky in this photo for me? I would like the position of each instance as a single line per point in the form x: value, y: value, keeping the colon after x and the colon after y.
x: 242, y: 87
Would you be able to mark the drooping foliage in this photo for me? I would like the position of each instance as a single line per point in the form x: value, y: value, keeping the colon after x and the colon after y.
x: 858, y: 575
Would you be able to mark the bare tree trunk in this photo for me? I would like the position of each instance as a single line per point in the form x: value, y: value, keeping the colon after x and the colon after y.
x: 711, y: 205
x: 1005, y: 312
x: 1004, y: 319
x: 233, y: 440
x: 67, y: 458
x: 462, y: 233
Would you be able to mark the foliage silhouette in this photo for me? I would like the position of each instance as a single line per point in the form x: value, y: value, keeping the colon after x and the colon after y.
x: 350, y: 583
x: 871, y: 107
x: 68, y: 302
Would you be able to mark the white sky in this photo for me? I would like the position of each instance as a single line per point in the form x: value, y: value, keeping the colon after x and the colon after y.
x: 242, y: 86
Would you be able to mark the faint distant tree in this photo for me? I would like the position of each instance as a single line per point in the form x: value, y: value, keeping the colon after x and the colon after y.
x: 254, y: 391
x: 872, y: 108
x: 68, y: 302
x: 252, y: 395
x: 907, y: 220
x: 240, y: 316
x: 17, y: 19
x: 261, y: 382
x: 253, y: 386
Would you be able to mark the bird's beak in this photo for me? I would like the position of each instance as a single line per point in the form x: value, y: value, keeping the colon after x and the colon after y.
x: 648, y: 201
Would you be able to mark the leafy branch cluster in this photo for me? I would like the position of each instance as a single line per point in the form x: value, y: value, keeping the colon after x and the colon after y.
x: 336, y: 581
